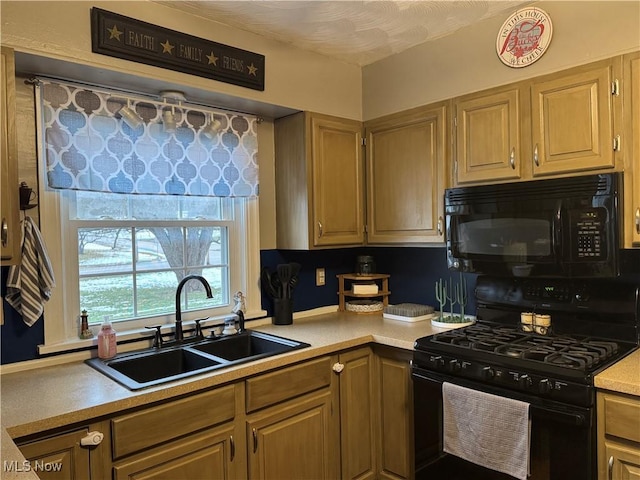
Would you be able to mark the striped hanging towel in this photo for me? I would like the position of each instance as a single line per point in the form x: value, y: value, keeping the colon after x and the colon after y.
x: 29, y: 284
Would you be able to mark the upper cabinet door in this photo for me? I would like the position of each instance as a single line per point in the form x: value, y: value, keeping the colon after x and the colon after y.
x: 489, y: 137
x: 9, y: 204
x: 631, y: 146
x: 572, y: 122
x: 319, y: 170
x: 338, y: 181
x: 406, y: 176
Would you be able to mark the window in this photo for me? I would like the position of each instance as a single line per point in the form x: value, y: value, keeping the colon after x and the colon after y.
x: 134, y: 249
x: 120, y: 252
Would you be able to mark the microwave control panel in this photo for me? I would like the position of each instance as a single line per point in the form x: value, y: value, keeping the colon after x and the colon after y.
x: 588, y: 234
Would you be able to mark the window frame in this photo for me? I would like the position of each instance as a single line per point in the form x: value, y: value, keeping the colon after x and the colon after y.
x: 61, y: 321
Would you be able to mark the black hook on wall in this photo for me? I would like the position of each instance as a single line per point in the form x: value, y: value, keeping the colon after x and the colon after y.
x: 27, y: 195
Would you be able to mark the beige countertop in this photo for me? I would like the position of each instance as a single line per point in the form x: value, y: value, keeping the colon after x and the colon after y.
x: 35, y: 401
x: 623, y: 376
x: 38, y: 400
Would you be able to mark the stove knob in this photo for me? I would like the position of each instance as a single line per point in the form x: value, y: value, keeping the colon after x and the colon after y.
x: 524, y: 381
x: 487, y: 373
x: 582, y: 297
x: 438, y: 361
x: 454, y: 365
x: 544, y: 386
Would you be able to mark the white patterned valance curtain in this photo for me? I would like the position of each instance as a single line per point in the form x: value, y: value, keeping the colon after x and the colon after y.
x: 89, y: 147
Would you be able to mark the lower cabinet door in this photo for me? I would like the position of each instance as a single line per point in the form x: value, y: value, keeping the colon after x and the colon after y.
x: 295, y: 440
x: 357, y: 415
x: 396, y: 415
x: 210, y: 455
x: 57, y: 458
x: 623, y: 462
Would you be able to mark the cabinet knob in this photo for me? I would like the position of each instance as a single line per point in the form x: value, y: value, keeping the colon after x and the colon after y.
x: 440, y: 222
x: 92, y: 439
x: 319, y: 229
x: 512, y: 158
x: 232, y: 447
x: 338, y: 367
x: 610, y: 468
x: 536, y: 160
x: 638, y: 220
x: 254, y: 433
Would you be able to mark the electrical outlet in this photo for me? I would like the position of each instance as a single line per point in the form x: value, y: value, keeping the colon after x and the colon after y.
x: 319, y: 277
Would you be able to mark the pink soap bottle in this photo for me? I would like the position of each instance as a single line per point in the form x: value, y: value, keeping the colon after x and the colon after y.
x: 107, y: 346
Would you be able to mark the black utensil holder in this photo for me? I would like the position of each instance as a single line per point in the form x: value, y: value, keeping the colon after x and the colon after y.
x: 283, y: 311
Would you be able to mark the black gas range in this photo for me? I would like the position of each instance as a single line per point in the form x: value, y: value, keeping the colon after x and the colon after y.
x: 593, y: 324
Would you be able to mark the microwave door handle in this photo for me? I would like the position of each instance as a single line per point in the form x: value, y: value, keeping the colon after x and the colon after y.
x: 557, y: 231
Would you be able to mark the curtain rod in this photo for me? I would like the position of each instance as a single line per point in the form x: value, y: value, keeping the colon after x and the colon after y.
x: 137, y: 96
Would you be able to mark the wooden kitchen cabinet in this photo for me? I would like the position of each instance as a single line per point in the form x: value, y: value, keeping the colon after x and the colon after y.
x: 618, y: 436
x: 572, y: 120
x: 554, y: 125
x: 395, y: 413
x: 59, y: 456
x: 631, y: 146
x: 489, y: 134
x: 292, y: 441
x: 292, y: 426
x: 319, y: 170
x: 192, y: 437
x: 406, y: 165
x: 10, y: 235
x: 211, y: 455
x: 358, y: 415
x: 346, y: 415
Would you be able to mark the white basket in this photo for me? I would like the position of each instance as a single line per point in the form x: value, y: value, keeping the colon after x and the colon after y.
x: 364, y: 306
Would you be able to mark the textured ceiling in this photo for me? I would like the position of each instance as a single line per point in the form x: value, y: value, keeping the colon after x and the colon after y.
x: 358, y: 32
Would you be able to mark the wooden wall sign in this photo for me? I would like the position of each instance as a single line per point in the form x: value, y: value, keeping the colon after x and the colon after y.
x: 123, y: 37
x: 524, y: 37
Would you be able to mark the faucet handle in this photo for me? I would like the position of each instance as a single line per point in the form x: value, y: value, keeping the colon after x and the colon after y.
x: 240, y: 315
x: 199, y: 328
x: 157, y: 339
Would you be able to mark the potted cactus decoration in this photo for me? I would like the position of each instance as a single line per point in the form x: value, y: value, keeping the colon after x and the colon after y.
x: 454, y: 294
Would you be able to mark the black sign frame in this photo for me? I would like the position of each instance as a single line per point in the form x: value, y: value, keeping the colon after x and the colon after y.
x: 130, y: 39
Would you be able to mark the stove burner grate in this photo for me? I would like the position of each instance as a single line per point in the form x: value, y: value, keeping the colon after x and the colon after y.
x: 565, y: 351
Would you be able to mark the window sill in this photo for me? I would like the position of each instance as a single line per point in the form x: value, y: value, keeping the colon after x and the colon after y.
x: 130, y: 339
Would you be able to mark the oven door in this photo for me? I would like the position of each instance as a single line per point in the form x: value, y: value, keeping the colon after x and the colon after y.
x: 562, y: 437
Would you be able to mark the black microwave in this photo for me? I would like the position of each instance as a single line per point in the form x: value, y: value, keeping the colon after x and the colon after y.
x: 564, y: 227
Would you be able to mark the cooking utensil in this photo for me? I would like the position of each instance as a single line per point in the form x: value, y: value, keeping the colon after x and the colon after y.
x: 293, y: 281
x: 276, y: 284
x: 267, y: 283
x: 284, y: 273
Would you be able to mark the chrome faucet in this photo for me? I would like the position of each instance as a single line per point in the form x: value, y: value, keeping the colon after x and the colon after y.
x: 207, y: 287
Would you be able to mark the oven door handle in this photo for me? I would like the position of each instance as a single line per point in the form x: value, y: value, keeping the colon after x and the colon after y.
x: 572, y: 418
x: 538, y: 407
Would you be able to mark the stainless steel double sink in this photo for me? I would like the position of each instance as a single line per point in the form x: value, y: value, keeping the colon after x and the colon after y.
x: 145, y: 368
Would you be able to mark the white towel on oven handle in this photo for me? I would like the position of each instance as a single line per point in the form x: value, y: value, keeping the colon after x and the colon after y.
x: 486, y: 429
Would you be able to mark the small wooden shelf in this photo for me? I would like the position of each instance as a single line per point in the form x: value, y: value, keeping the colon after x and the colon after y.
x: 345, y: 288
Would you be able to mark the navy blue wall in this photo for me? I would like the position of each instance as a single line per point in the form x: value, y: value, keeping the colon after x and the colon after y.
x: 413, y: 271
x: 17, y: 341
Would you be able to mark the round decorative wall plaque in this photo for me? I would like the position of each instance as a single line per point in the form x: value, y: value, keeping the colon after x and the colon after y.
x: 524, y: 37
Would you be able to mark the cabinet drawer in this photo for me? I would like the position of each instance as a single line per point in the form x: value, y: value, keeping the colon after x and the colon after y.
x: 290, y: 382
x: 146, y: 428
x: 622, y: 417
